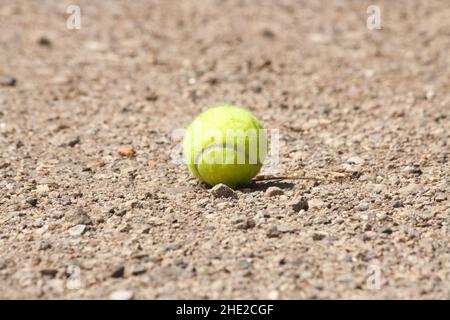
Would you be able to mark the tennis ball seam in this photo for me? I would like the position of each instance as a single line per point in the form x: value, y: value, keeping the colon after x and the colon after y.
x: 222, y: 146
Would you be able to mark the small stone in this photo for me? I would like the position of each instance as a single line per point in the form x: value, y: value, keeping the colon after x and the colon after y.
x: 319, y: 38
x: 397, y: 204
x: 33, y: 201
x: 152, y: 97
x: 244, y: 264
x: 238, y: 219
x: 356, y: 174
x: 267, y: 33
x: 44, y: 245
x: 181, y: 263
x: 132, y: 204
x: 412, y: 188
x: 386, y: 230
x: 300, y: 204
x: 223, y: 191
x: 138, y: 270
x: 49, y: 272
x: 7, y: 81
x: 42, y: 189
x: 38, y: 223
x: 120, y: 212
x: 247, y: 223
x: 144, y: 229
x: 440, y: 197
x: 362, y: 207
x: 376, y: 187
x: 73, y: 142
x: 65, y: 201
x: 285, y: 228
x: 4, y: 165
x: 121, y: 295
x: 262, y: 215
x: 210, y: 227
x: 125, y: 228
x: 77, y: 230
x: 273, y: 232
x: 443, y: 158
x: 414, y: 170
x: 60, y: 80
x: 318, y: 236
x: 44, y: 41
x: 316, y: 203
x: 429, y: 94
x: 173, y: 247
x: 355, y: 160
x: 152, y: 163
x: 57, y: 215
x: 118, y: 272
x: 273, y: 295
x: 77, y: 217
x: 274, y: 191
x: 222, y: 205
x: 368, y: 226
x: 21, y: 214
x: 127, y: 151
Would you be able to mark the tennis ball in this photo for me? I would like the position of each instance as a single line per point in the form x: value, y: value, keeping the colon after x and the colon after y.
x: 225, y: 144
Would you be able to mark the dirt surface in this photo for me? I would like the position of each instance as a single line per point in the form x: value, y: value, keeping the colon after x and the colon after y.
x: 92, y: 204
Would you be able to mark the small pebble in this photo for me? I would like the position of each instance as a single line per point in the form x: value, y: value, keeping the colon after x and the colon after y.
x: 316, y: 203
x: 127, y: 151
x: 121, y: 295
x: 248, y: 223
x: 285, y: 228
x: 412, y: 188
x: 300, y: 204
x: 355, y: 160
x: 136, y: 271
x: 77, y: 217
x: 273, y: 295
x: 414, y: 170
x: 49, y: 272
x: 33, y: 201
x: 173, y: 246
x: 223, y: 191
x: 118, y: 272
x: 386, y: 230
x: 77, y: 230
x: 398, y: 204
x: 273, y: 232
x: 44, y: 245
x: 356, y: 174
x: 7, y: 81
x: 44, y: 41
x: 318, y: 236
x: 72, y: 143
x: 274, y: 191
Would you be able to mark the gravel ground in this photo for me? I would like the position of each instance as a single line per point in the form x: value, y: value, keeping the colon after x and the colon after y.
x: 93, y: 206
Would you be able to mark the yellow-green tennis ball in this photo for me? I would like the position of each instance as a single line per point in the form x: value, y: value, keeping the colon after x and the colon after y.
x: 225, y: 144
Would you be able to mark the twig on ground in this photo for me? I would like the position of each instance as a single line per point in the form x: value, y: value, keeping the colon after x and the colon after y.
x: 275, y: 178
